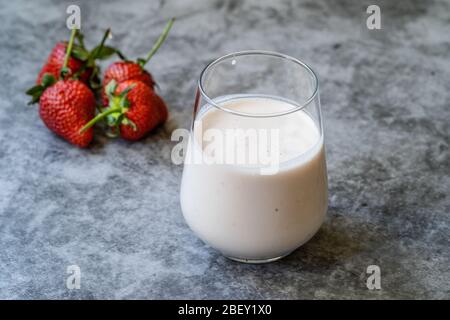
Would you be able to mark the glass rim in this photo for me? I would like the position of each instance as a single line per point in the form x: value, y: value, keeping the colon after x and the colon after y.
x: 297, y: 106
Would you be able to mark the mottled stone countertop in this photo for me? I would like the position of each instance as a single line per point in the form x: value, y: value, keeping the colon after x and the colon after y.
x: 114, y: 211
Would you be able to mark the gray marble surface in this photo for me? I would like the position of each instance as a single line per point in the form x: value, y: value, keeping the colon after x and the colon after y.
x: 114, y: 209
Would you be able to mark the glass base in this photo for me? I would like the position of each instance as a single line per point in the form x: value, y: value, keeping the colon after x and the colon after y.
x: 258, y: 261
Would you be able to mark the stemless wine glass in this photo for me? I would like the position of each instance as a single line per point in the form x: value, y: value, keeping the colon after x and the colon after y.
x: 254, y: 183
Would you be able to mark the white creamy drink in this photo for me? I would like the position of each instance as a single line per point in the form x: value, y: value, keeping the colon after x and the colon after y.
x: 241, y: 212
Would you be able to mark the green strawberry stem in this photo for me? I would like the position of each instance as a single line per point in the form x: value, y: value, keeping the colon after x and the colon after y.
x: 100, y: 116
x: 68, y: 52
x: 80, y: 39
x: 158, y: 42
x: 102, y: 44
x: 118, y: 103
x: 90, y: 61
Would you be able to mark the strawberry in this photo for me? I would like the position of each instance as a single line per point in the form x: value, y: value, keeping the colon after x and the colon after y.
x: 81, y: 63
x: 130, y: 70
x: 125, y: 70
x: 134, y: 109
x: 56, y: 60
x: 65, y: 105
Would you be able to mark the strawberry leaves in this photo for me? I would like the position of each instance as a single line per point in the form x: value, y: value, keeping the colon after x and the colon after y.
x: 115, y: 114
x: 80, y: 53
x: 100, y: 52
x: 89, y: 58
x: 36, y: 91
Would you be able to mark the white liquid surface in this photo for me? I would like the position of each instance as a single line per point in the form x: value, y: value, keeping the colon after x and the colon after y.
x: 247, y: 215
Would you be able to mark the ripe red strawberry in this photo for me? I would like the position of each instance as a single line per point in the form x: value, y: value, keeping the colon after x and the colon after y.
x: 55, y: 62
x: 134, y: 109
x: 66, y: 107
x: 130, y: 70
x: 81, y: 62
x: 125, y: 70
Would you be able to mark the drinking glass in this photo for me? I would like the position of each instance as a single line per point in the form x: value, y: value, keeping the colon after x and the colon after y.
x: 255, y: 211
